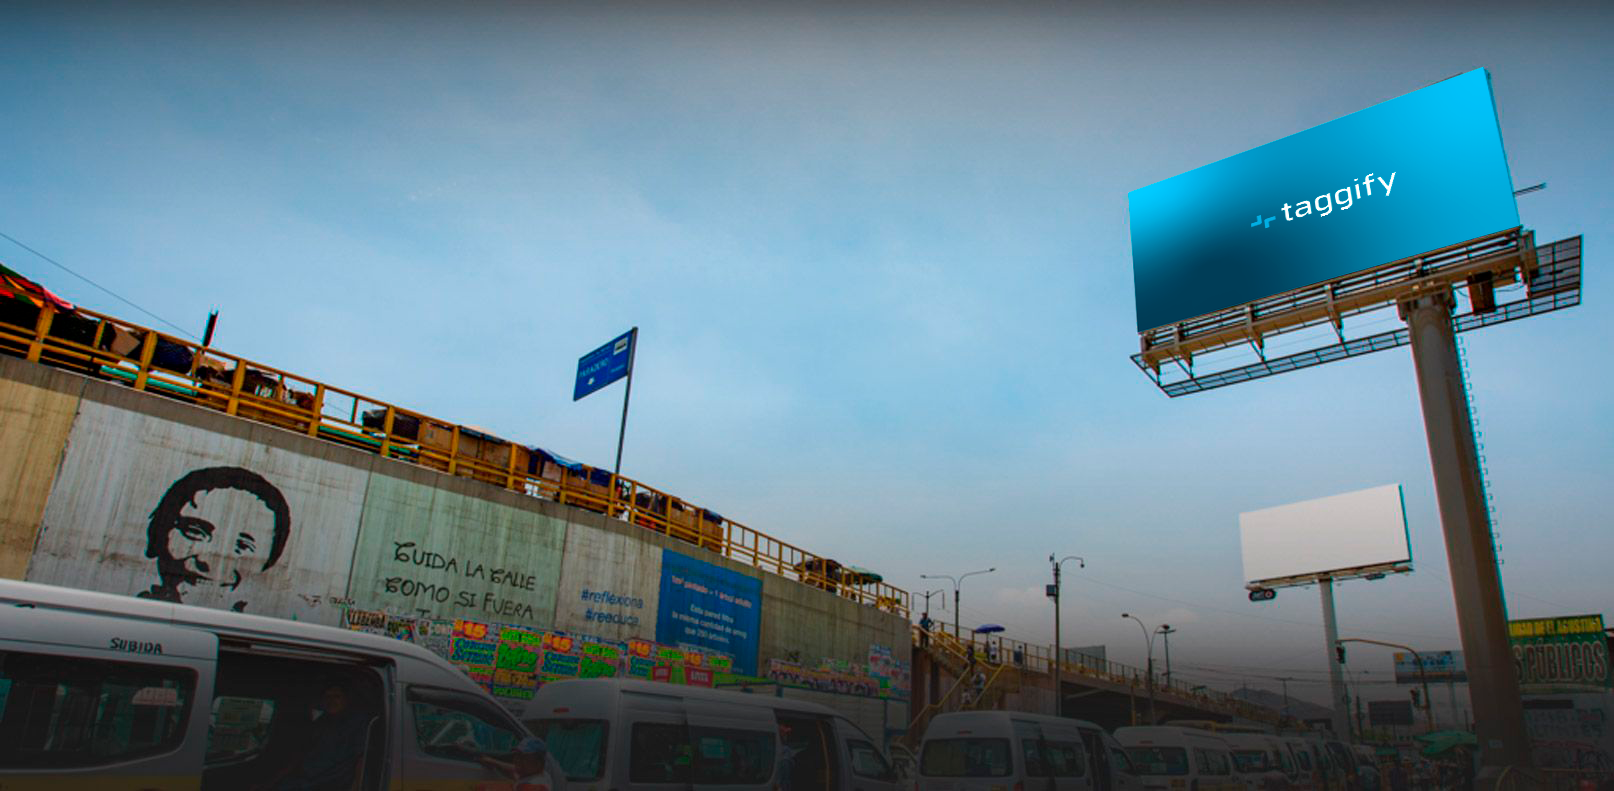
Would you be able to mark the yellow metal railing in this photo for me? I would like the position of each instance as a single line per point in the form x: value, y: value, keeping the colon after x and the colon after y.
x: 109, y: 348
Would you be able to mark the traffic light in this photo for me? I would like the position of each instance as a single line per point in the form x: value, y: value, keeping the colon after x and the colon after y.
x: 1415, y: 700
x: 1339, y: 652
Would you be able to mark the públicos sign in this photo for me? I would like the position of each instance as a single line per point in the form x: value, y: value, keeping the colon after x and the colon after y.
x: 1561, y: 654
x: 1416, y: 173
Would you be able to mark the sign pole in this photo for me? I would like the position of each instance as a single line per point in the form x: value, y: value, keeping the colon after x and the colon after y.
x: 1493, y: 682
x: 1340, y: 709
x: 627, y: 392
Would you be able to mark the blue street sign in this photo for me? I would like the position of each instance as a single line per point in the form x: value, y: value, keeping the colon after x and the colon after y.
x: 604, y: 365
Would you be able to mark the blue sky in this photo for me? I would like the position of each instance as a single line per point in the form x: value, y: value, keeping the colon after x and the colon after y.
x: 878, y: 254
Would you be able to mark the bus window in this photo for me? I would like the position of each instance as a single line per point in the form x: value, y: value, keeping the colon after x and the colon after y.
x: 966, y: 758
x: 59, y: 711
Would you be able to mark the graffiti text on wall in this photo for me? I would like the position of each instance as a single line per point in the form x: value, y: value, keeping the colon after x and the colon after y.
x: 411, y: 556
x: 621, y: 612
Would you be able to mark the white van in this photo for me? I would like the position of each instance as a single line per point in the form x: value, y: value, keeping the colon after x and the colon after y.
x: 113, y: 692
x: 1170, y: 757
x: 1112, y: 770
x: 1263, y: 760
x: 986, y: 750
x: 629, y: 734
x: 1310, y: 764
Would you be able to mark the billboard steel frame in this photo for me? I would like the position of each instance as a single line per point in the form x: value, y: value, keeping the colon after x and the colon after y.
x: 1425, y: 291
x: 1550, y: 274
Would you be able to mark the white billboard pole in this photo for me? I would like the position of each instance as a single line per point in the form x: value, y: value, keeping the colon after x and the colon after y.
x: 1340, y: 708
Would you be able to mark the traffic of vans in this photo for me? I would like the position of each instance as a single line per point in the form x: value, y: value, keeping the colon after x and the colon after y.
x: 114, y: 692
x: 629, y: 734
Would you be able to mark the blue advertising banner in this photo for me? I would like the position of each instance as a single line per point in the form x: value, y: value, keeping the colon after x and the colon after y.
x: 1437, y: 666
x: 709, y: 607
x: 604, y: 365
x: 1413, y: 174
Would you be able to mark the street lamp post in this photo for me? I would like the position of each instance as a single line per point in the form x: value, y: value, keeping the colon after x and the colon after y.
x: 1148, y: 639
x: 1165, y: 632
x: 957, y: 582
x: 1059, y: 658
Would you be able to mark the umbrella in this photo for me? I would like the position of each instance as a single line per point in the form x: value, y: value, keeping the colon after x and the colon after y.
x: 988, y: 628
x: 857, y: 575
x: 1440, y: 742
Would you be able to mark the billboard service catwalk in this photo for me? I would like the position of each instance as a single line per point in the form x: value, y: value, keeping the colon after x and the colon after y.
x: 1414, y: 174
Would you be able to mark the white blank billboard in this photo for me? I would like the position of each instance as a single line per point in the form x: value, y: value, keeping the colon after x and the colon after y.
x: 1344, y: 531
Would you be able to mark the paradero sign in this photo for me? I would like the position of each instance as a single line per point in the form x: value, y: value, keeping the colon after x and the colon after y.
x: 1413, y: 174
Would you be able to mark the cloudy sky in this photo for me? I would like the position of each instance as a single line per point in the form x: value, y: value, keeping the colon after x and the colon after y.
x: 878, y: 254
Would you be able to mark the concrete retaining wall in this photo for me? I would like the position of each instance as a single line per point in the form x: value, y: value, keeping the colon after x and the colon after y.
x: 105, y: 488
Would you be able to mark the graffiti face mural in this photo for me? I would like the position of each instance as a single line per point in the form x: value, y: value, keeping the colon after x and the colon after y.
x: 212, y: 531
x: 149, y: 505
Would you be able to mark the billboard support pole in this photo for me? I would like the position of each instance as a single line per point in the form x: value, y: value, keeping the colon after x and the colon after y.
x: 1470, y: 552
x: 1340, y: 708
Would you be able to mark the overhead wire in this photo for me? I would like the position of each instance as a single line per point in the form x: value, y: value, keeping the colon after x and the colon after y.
x: 108, y: 291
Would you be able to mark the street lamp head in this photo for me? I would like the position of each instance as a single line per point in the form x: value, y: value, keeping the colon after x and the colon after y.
x: 1126, y: 615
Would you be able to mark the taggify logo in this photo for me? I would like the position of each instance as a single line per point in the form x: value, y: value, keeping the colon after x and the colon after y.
x: 1324, y: 204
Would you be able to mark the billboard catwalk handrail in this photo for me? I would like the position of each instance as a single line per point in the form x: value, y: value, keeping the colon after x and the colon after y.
x: 1339, y: 298
x: 111, y: 349
x: 1553, y: 283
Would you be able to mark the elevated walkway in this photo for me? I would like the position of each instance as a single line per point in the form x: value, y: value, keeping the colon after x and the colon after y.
x: 954, y: 672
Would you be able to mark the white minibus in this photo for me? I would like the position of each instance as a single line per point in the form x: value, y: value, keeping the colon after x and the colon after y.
x: 985, y: 750
x: 641, y: 735
x: 114, y: 692
x: 1171, y: 758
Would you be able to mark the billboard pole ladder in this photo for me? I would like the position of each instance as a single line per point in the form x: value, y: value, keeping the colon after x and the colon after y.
x: 1460, y: 492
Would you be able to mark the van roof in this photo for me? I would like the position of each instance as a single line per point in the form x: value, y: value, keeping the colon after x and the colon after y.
x: 1166, y: 734
x: 225, y: 623
x: 1260, y: 740
x: 996, y: 721
x: 572, y: 692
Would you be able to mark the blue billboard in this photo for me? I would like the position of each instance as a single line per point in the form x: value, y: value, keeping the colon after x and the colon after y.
x: 1413, y: 174
x: 703, y: 605
x: 604, y: 365
x: 1437, y: 666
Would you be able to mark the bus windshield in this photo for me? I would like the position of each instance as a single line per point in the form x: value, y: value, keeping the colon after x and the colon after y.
x: 1159, y: 760
x: 577, y: 745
